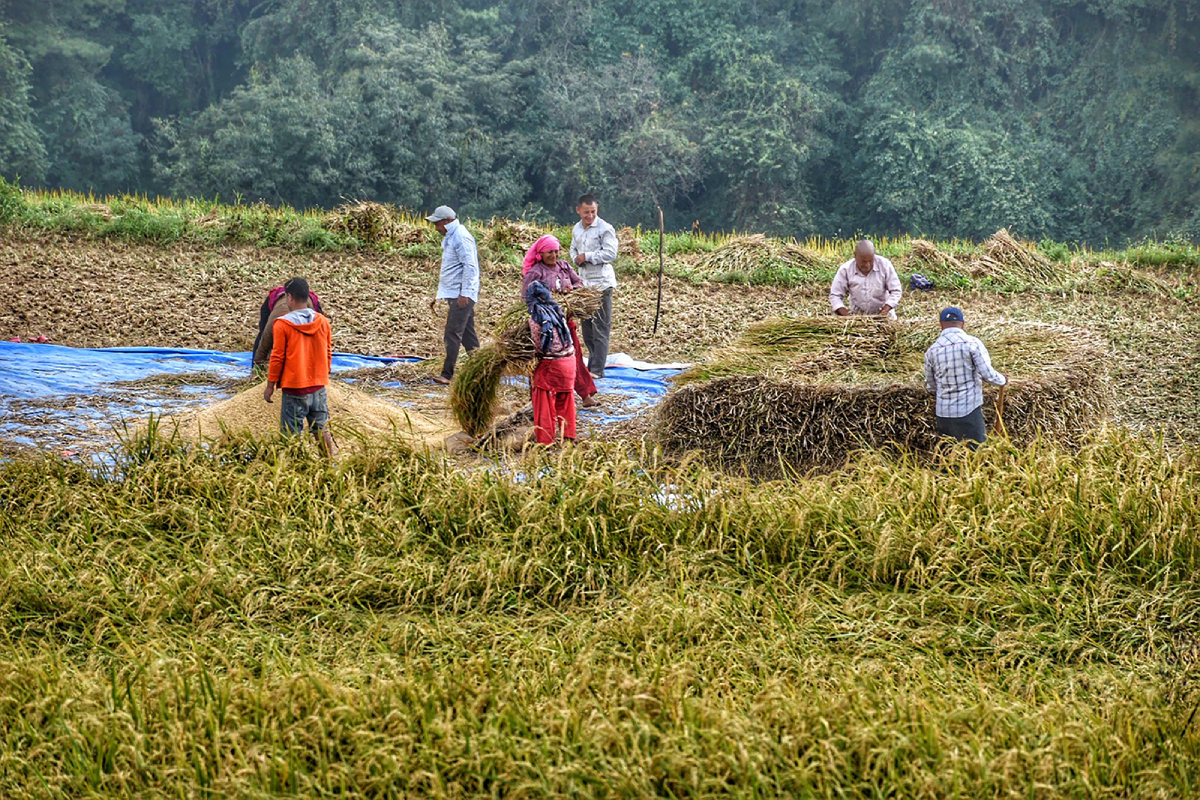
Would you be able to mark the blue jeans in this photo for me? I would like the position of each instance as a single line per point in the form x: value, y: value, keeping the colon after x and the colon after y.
x: 296, y: 409
x: 969, y: 429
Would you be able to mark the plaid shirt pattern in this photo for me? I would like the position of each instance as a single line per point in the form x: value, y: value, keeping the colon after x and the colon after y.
x: 955, y: 367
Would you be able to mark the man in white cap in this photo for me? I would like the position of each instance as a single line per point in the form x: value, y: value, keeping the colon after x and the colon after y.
x: 868, y: 281
x: 458, y: 285
x: 956, y: 365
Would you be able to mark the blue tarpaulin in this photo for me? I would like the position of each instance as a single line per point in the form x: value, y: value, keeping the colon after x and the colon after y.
x: 51, y: 385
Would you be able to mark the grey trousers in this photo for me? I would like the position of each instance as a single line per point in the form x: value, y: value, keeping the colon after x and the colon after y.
x: 596, y: 332
x: 969, y: 429
x: 460, y: 332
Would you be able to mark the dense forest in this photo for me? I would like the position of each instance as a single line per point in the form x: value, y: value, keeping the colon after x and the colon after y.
x: 1073, y: 120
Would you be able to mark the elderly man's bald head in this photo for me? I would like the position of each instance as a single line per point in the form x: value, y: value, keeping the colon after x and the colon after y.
x: 864, y: 255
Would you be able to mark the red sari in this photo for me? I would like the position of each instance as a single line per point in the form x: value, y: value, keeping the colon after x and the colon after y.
x: 553, y: 398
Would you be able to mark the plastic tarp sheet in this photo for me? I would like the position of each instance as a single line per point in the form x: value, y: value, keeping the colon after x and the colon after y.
x: 78, y: 389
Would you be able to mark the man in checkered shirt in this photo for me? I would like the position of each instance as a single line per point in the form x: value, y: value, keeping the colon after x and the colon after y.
x: 955, y: 367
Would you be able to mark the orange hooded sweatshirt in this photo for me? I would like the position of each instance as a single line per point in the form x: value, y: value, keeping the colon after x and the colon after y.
x: 302, y: 351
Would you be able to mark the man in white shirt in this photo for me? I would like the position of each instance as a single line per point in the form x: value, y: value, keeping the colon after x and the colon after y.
x: 458, y: 286
x: 593, y: 249
x: 955, y: 367
x: 869, y: 282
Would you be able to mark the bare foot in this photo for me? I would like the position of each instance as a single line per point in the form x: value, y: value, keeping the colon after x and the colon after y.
x: 444, y: 381
x: 589, y: 402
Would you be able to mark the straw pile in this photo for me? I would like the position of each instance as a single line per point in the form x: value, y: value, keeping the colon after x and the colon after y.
x: 503, y: 233
x: 374, y: 223
x: 806, y: 392
x: 627, y: 243
x: 352, y: 413
x: 928, y: 253
x: 746, y: 254
x: 476, y: 385
x: 1009, y: 260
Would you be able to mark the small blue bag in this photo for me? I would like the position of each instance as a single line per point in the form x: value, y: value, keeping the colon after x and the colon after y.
x: 919, y: 283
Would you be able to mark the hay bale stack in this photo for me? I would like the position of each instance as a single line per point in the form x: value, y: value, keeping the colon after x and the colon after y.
x: 1007, y: 259
x: 807, y: 392
x: 476, y: 384
x: 351, y: 412
x: 746, y: 254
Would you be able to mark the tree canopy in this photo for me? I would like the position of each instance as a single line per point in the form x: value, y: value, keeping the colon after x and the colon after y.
x: 1068, y: 120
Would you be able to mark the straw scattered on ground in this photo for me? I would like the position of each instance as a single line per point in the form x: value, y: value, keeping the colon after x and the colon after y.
x: 352, y: 414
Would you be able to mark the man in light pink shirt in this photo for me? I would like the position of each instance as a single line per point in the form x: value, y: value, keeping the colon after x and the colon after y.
x: 869, y: 282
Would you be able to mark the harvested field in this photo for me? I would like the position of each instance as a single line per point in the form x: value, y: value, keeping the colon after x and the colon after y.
x: 807, y: 392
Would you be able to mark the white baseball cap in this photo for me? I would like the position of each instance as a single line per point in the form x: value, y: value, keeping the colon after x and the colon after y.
x: 441, y: 213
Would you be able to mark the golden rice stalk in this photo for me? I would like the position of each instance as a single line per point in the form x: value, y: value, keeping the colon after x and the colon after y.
x: 475, y: 389
x: 628, y: 244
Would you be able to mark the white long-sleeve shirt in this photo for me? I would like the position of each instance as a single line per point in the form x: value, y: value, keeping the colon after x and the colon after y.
x: 598, y: 243
x: 460, y: 264
x: 955, y: 367
x: 867, y: 293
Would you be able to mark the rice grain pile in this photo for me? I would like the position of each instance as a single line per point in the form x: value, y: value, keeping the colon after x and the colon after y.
x: 352, y: 414
x: 806, y: 392
x: 744, y: 255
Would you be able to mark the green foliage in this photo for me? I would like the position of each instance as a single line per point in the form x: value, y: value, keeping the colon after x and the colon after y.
x: 1070, y: 121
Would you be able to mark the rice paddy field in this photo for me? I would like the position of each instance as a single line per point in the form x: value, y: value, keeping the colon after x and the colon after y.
x: 251, y: 620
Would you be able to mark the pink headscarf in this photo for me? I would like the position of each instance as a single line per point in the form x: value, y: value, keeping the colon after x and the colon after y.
x: 541, y: 246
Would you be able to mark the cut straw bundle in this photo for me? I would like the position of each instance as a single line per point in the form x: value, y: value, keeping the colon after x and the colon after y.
x: 374, y: 223
x: 1007, y: 259
x: 746, y: 254
x: 806, y: 392
x: 928, y: 253
x: 476, y: 384
x: 502, y: 233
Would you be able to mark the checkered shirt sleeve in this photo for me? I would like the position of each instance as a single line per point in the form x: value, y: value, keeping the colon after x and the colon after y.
x: 955, y: 368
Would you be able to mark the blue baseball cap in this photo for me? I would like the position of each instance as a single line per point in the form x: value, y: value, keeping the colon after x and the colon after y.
x: 951, y: 314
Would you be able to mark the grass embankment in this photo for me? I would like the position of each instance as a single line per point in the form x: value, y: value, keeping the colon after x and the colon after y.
x: 690, y: 256
x: 253, y: 620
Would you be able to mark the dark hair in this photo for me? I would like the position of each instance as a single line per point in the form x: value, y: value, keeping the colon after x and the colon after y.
x: 297, y: 288
x: 587, y: 200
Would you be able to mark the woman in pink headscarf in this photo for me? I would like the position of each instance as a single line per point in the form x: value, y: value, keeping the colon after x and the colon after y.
x: 543, y: 264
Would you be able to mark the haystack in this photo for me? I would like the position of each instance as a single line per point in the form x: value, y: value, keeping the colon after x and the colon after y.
x: 1012, y: 261
x: 353, y: 415
x: 503, y: 233
x: 806, y: 392
x: 475, y: 388
x: 375, y: 223
x: 746, y: 254
x: 928, y: 253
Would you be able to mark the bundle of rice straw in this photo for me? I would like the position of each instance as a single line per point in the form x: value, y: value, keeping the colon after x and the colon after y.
x: 476, y: 385
x: 804, y: 393
x: 1007, y: 259
x: 502, y: 233
x: 928, y: 253
x: 746, y: 254
x: 374, y: 223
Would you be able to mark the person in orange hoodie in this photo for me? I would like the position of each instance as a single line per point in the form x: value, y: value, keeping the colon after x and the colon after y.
x: 301, y: 356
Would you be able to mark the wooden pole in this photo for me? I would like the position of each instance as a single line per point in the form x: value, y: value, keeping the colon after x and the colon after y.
x: 658, y: 305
